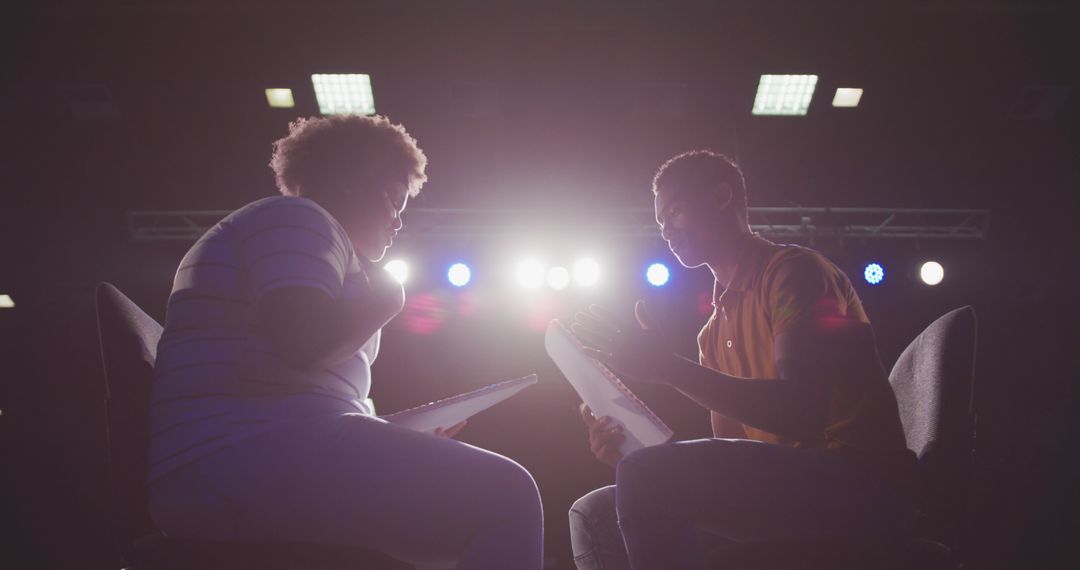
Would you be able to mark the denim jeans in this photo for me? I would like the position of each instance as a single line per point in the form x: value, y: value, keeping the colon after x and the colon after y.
x: 357, y: 480
x: 673, y: 503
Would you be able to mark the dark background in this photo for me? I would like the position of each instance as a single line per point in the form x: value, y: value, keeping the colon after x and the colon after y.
x: 550, y: 108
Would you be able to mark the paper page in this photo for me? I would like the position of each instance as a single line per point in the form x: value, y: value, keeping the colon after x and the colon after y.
x: 450, y: 411
x: 603, y: 392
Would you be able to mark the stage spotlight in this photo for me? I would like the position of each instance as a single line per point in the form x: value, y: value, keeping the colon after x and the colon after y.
x: 530, y: 274
x: 339, y: 93
x: 280, y: 98
x: 399, y: 269
x: 847, y: 97
x: 586, y: 272
x: 874, y: 273
x: 6, y: 302
x: 932, y: 273
x: 558, y: 278
x: 459, y: 274
x: 657, y: 274
x: 784, y: 94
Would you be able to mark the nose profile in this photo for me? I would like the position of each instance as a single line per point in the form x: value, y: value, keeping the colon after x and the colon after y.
x: 664, y: 233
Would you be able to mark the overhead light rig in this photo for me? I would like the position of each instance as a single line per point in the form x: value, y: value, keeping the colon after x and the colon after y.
x: 780, y: 223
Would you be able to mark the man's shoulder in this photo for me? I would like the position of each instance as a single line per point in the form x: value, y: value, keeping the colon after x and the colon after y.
x: 796, y: 261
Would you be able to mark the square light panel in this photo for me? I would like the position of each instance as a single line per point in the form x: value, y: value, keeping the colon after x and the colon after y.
x: 784, y: 94
x: 340, y: 93
x: 280, y: 98
x: 6, y: 302
x: 847, y: 97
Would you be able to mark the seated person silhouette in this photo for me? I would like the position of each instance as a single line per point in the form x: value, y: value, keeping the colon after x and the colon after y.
x: 807, y: 438
x: 259, y: 426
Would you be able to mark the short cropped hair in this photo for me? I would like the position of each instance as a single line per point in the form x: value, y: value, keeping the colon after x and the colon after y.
x: 699, y: 170
x: 324, y: 152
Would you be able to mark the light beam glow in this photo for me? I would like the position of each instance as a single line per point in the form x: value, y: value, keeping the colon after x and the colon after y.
x: 459, y: 275
x: 586, y: 272
x: 399, y: 269
x: 932, y: 273
x: 530, y: 274
x: 657, y: 274
x: 558, y: 278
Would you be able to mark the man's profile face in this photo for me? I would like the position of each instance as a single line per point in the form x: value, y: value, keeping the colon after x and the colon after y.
x: 689, y: 221
x: 372, y: 216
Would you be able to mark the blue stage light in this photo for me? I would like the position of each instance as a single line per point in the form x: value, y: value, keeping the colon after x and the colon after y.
x: 459, y: 274
x: 657, y: 274
x: 874, y: 273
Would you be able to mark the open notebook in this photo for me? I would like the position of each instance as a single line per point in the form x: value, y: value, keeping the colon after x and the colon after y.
x: 603, y: 392
x: 450, y: 411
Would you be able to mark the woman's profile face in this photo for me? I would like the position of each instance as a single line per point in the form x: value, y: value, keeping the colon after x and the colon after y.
x: 371, y: 215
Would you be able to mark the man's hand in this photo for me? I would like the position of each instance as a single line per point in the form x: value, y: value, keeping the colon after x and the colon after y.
x: 451, y: 431
x: 604, y: 437
x: 634, y: 350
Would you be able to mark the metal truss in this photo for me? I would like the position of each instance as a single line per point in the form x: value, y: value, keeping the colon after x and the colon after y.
x: 795, y: 223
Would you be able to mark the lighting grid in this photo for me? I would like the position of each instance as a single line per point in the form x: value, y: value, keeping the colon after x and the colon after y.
x: 280, y: 98
x: 847, y: 97
x: 874, y: 273
x: 784, y: 94
x: 341, y: 93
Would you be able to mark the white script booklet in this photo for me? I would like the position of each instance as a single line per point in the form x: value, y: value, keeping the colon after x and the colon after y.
x: 455, y: 409
x: 603, y: 392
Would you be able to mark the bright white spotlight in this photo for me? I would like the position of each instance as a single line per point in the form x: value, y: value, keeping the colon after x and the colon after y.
x: 657, y: 274
x: 339, y: 93
x: 874, y: 273
x: 558, y: 278
x: 784, y: 94
x: 530, y: 274
x: 459, y: 274
x: 280, y: 98
x: 847, y: 97
x: 6, y: 302
x: 586, y: 272
x: 399, y: 269
x: 932, y: 273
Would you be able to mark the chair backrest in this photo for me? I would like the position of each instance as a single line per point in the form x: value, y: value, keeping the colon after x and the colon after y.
x: 934, y: 385
x: 129, y: 339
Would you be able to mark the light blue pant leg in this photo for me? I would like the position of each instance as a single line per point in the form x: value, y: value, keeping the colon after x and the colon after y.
x: 594, y: 532
x: 359, y: 481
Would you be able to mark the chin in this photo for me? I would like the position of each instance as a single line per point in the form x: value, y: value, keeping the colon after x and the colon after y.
x: 688, y: 260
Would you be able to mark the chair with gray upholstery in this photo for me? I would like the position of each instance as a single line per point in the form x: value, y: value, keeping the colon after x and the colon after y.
x: 934, y: 385
x: 129, y: 340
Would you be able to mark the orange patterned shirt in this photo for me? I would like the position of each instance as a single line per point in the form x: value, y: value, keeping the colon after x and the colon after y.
x: 776, y: 289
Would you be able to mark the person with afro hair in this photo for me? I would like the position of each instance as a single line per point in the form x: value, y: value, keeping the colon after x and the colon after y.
x: 261, y: 429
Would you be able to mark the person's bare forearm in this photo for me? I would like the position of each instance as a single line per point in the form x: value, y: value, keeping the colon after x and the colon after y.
x: 788, y: 408
x: 312, y: 330
x: 348, y: 324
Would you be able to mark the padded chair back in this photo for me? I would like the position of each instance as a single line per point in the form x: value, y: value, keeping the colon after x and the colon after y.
x: 129, y: 339
x: 934, y: 385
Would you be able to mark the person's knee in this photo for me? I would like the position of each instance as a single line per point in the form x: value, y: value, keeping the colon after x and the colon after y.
x: 594, y: 507
x: 511, y: 487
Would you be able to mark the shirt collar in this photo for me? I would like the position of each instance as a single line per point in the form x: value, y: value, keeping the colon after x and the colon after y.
x: 750, y: 249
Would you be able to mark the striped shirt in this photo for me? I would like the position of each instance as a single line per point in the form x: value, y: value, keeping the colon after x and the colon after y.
x: 218, y: 380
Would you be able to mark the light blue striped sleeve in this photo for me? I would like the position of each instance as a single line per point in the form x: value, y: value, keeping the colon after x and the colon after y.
x: 294, y: 243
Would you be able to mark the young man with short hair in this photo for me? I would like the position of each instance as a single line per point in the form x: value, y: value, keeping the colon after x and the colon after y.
x: 807, y: 438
